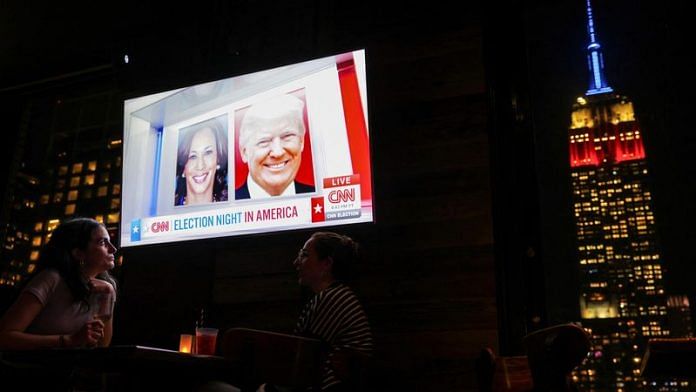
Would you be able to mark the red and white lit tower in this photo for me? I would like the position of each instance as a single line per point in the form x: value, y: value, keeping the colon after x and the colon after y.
x: 622, y: 296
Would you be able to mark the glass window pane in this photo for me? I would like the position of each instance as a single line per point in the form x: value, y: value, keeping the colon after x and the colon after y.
x: 52, y: 224
x: 112, y: 218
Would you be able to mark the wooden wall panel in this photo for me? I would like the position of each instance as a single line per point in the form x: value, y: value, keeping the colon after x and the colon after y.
x: 427, y: 273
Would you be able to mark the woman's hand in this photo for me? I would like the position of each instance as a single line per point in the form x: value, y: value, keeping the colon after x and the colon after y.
x: 88, y: 336
x: 105, y: 292
x: 101, y: 286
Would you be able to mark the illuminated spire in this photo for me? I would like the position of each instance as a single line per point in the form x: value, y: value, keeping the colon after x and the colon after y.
x: 595, y: 60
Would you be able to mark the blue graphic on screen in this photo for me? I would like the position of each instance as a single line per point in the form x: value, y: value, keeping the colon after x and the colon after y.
x: 155, y: 177
x: 135, y: 230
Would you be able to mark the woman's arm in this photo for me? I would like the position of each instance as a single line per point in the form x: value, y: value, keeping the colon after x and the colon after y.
x: 20, y: 315
x: 15, y: 322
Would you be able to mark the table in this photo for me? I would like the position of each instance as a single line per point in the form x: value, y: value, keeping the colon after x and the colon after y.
x: 116, y: 368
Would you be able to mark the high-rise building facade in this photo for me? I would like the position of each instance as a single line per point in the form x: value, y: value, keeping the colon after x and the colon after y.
x: 68, y: 165
x: 623, y: 301
x: 679, y: 316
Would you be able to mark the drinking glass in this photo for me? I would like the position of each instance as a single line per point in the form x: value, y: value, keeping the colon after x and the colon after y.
x: 102, y: 306
x: 206, y: 339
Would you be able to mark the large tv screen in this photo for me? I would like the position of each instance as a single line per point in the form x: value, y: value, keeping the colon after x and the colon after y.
x: 282, y: 149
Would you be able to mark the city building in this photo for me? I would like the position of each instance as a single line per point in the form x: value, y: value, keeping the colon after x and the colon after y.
x: 623, y: 301
x: 68, y: 164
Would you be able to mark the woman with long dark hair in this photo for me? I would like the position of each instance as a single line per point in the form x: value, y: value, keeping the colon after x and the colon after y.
x: 53, y: 309
x: 201, y: 171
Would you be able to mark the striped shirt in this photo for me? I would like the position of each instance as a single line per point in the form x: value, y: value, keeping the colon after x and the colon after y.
x: 336, y: 317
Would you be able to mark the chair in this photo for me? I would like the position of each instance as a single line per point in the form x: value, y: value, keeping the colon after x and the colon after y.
x: 502, y: 374
x: 270, y: 357
x: 553, y: 353
x: 353, y: 368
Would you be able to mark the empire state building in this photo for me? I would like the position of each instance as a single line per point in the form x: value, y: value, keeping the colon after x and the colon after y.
x: 622, y: 296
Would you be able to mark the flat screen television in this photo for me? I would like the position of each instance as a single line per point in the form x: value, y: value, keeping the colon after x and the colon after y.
x: 281, y: 149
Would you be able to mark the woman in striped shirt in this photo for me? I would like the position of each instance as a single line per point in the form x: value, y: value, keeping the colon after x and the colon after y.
x: 334, y: 315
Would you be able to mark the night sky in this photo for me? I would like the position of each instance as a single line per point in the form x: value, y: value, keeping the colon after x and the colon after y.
x: 645, y: 51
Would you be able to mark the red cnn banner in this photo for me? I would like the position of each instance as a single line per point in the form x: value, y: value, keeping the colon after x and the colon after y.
x: 318, y: 209
x: 333, y: 182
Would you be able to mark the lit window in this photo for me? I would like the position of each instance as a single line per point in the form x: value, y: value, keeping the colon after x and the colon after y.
x: 44, y: 199
x: 116, y: 190
x: 104, y: 177
x: 34, y: 255
x: 63, y: 170
x: 102, y: 191
x: 36, y: 241
x: 77, y: 168
x: 38, y: 226
x: 114, y: 143
x: 72, y: 195
x: 74, y: 181
x: 89, y: 179
x: 52, y: 224
x: 92, y: 166
x: 99, y: 218
x: 70, y: 209
x: 31, y: 268
x: 112, y: 218
x: 115, y: 204
x: 58, y: 197
x: 46, y: 238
